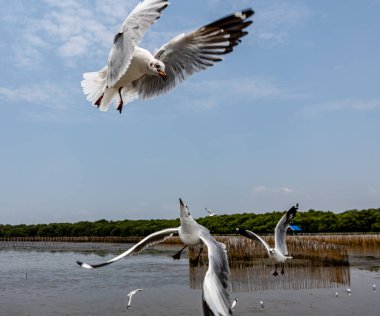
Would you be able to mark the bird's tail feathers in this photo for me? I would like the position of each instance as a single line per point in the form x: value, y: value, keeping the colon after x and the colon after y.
x: 94, y: 85
x: 96, y: 91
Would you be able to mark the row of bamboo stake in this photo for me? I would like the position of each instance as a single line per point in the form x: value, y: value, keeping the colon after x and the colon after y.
x: 319, y: 249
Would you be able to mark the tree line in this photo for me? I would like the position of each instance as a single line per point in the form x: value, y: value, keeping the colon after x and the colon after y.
x: 311, y: 221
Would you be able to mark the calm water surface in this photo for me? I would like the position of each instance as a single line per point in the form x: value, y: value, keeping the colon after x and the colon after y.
x: 43, y: 279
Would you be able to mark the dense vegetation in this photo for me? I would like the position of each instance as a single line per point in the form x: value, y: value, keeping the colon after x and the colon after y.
x: 311, y: 222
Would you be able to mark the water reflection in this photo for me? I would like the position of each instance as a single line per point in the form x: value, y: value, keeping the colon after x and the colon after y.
x: 245, y: 277
x: 257, y: 276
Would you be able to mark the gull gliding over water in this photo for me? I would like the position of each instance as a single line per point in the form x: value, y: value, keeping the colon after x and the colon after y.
x: 280, y: 252
x: 130, y: 294
x: 133, y: 72
x: 215, y: 295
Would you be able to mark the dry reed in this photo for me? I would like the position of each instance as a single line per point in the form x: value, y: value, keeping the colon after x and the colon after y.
x: 308, y: 251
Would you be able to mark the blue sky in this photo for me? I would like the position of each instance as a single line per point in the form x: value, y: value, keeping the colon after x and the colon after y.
x: 292, y: 115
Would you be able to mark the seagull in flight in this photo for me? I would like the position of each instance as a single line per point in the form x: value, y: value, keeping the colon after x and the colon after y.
x: 133, y: 72
x: 215, y: 294
x: 280, y: 252
x: 234, y: 303
x: 130, y: 294
x: 210, y: 213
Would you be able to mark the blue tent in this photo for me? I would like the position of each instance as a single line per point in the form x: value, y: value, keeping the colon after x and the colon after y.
x: 295, y: 228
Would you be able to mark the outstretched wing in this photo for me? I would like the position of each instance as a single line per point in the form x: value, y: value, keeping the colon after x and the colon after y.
x: 253, y: 236
x: 281, y: 228
x: 188, y: 53
x: 150, y: 240
x: 215, y: 294
x: 130, y: 36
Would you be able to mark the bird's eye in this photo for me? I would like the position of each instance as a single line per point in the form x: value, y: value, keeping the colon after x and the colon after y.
x: 157, y: 66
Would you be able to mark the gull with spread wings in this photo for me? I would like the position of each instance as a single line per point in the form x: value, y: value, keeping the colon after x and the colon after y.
x: 215, y: 294
x: 130, y: 294
x: 133, y: 72
x: 280, y: 252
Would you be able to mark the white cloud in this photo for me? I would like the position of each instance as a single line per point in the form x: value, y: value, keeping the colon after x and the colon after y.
x: 275, y: 198
x: 45, y: 94
x: 275, y: 19
x: 339, y: 105
x: 207, y: 94
x: 74, y: 46
x: 84, y: 29
x: 70, y: 29
x: 49, y: 101
x: 261, y: 189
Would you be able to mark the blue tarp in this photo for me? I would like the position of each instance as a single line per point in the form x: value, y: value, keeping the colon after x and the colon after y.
x: 295, y: 228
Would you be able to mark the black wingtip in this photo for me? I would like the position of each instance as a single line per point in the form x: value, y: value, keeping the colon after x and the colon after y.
x: 292, y: 213
x: 248, y: 12
x: 294, y: 208
x: 80, y: 263
x: 242, y: 232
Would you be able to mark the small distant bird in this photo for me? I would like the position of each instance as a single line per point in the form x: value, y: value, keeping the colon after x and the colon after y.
x: 262, y: 304
x: 210, y: 213
x: 234, y: 303
x: 348, y: 291
x: 280, y: 252
x: 130, y: 294
x: 133, y: 72
x: 336, y: 294
x: 374, y: 287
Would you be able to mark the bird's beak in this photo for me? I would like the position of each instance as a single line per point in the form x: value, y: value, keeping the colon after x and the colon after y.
x: 162, y: 75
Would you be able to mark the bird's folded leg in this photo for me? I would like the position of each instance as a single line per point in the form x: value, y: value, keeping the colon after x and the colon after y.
x: 177, y: 256
x: 99, y: 101
x: 282, y: 268
x: 120, y: 106
x: 275, y: 273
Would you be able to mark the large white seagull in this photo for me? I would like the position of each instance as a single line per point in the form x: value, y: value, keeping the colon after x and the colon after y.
x: 133, y: 72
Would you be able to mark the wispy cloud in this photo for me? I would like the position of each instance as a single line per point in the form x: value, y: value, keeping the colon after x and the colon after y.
x: 45, y: 94
x: 261, y: 189
x: 274, y: 20
x: 206, y: 94
x: 275, y: 198
x: 69, y: 29
x: 83, y: 30
x: 44, y: 101
x: 339, y: 105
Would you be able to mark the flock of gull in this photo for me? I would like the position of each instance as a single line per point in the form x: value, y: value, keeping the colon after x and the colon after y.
x: 134, y: 72
x: 215, y: 290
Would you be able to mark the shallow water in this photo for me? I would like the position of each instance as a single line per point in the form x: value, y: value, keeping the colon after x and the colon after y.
x: 43, y: 279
